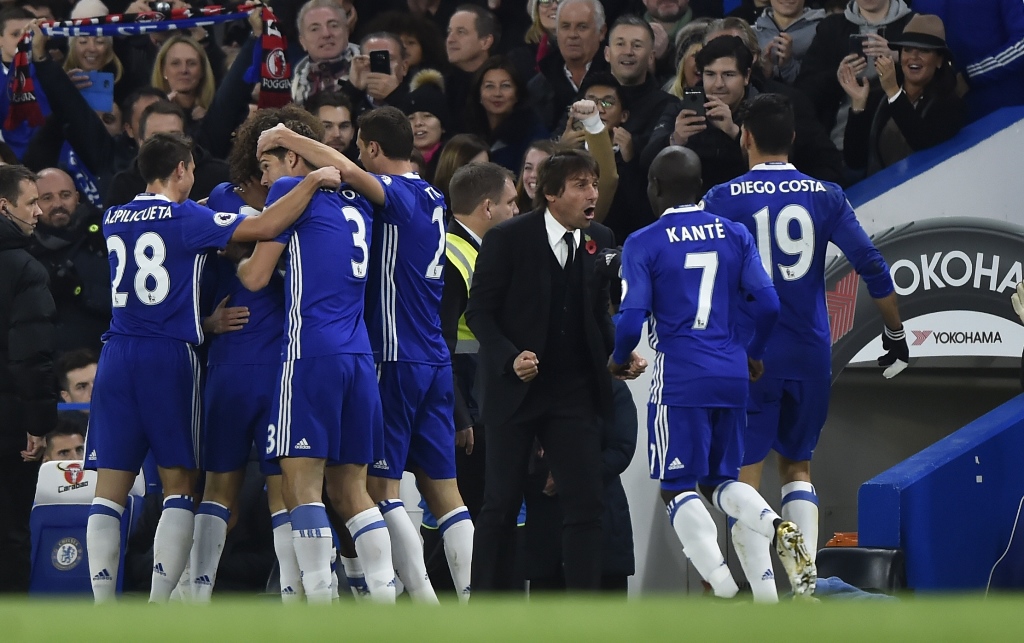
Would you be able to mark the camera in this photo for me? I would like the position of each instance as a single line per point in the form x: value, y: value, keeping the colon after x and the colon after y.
x: 160, y: 7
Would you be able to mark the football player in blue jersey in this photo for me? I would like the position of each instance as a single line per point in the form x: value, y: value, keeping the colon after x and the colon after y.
x: 320, y: 431
x: 403, y: 318
x: 242, y: 372
x: 793, y: 217
x: 688, y: 272
x: 146, y: 395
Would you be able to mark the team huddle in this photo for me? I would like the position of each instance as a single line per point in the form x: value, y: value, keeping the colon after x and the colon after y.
x: 303, y: 377
x: 337, y: 370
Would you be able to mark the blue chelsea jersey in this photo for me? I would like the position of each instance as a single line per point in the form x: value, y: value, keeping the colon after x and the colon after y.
x: 403, y: 297
x: 258, y: 341
x: 328, y: 249
x: 793, y: 217
x: 157, y: 249
x: 689, y: 270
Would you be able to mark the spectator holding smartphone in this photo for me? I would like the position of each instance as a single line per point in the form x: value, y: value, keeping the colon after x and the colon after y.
x: 879, y: 21
x: 784, y: 32
x: 921, y: 113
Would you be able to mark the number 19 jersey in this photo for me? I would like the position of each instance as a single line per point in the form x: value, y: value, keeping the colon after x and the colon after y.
x: 690, y: 269
x: 157, y: 250
x: 793, y: 217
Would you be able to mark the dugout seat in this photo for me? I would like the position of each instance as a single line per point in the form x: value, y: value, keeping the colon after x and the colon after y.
x: 64, y: 493
x: 872, y: 569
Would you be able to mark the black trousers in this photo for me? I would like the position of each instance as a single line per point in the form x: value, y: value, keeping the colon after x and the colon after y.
x: 17, y: 491
x: 569, y: 430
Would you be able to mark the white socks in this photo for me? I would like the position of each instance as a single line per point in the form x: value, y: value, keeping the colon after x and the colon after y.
x: 407, y: 552
x: 754, y: 553
x: 288, y: 564
x: 370, y: 533
x: 211, y: 531
x: 356, y: 578
x: 698, y: 534
x: 313, y: 542
x: 457, y: 532
x: 103, y: 544
x: 741, y: 501
x: 171, y: 546
x: 800, y: 504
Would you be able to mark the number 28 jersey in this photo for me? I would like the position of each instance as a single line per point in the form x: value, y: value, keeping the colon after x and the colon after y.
x: 157, y: 249
x: 793, y: 217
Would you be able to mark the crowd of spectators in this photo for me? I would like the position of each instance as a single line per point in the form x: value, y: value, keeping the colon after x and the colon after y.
x: 871, y: 82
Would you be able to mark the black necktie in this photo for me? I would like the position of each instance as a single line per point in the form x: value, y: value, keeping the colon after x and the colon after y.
x: 570, y: 244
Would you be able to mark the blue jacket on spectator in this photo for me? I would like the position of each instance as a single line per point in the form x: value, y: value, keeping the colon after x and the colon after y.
x: 987, y: 41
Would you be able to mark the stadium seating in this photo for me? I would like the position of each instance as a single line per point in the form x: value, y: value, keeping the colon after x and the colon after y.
x: 64, y: 494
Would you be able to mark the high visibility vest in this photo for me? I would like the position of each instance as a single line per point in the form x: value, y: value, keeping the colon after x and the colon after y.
x: 462, y: 255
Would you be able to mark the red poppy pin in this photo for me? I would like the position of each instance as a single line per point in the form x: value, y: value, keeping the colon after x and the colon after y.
x: 590, y: 244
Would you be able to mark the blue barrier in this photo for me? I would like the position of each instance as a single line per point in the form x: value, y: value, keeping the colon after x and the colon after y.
x: 73, y: 406
x: 920, y: 162
x: 952, y: 506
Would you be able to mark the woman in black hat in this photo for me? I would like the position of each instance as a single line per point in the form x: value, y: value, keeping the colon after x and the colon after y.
x: 921, y: 112
x: 427, y: 109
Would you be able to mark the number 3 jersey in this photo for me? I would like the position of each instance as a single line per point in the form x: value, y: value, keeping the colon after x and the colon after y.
x: 793, y: 217
x: 157, y: 249
x: 403, y: 297
x: 326, y: 257
x: 690, y: 269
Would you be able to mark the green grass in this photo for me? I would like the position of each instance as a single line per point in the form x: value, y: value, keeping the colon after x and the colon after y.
x: 676, y: 618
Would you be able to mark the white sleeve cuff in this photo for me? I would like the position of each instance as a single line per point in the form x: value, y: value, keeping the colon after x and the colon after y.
x: 593, y: 123
x: 898, y: 94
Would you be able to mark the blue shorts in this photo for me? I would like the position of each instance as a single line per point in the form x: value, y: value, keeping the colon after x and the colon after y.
x: 326, y: 407
x: 237, y: 402
x: 146, y: 397
x: 690, y: 445
x: 785, y: 415
x: 419, y: 428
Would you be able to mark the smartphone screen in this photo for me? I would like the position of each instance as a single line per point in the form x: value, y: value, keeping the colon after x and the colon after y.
x: 380, y: 61
x: 694, y: 99
x: 100, y: 95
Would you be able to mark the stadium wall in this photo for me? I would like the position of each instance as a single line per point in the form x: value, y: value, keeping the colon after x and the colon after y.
x: 952, y: 506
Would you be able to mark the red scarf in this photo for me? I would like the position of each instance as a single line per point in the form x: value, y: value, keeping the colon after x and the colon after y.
x: 21, y: 88
x: 275, y: 72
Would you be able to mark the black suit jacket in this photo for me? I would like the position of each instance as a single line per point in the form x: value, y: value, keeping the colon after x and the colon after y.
x: 509, y: 307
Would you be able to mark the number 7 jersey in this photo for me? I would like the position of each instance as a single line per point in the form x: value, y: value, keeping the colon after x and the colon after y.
x: 689, y: 270
x: 157, y: 249
x: 793, y: 217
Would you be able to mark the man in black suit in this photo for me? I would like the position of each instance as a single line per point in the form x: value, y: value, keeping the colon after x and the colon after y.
x: 541, y: 316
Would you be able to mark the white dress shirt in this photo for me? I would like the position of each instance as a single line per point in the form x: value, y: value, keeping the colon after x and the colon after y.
x: 556, y: 232
x: 472, y: 234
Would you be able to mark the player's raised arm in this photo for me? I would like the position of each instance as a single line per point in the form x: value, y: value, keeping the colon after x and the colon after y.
x: 320, y: 155
x: 275, y: 219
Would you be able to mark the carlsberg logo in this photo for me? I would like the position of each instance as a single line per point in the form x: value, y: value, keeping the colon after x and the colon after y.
x: 954, y: 269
